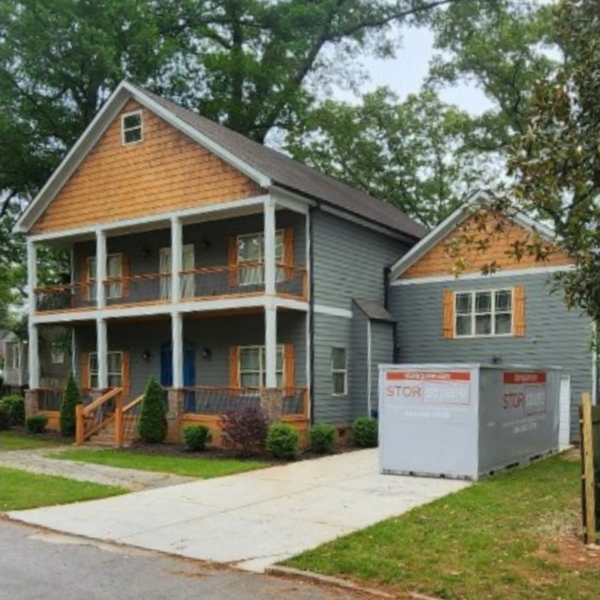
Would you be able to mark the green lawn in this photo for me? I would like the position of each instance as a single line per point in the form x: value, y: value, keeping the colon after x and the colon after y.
x: 18, y: 441
x: 20, y: 490
x: 512, y: 537
x: 192, y: 466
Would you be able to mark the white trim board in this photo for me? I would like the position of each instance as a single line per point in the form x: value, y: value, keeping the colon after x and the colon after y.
x: 484, y: 278
x: 332, y: 311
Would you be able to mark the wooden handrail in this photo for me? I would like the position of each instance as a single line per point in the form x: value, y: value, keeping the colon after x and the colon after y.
x: 99, y: 401
x: 60, y: 288
x: 119, y: 422
x: 132, y: 404
x: 141, y: 277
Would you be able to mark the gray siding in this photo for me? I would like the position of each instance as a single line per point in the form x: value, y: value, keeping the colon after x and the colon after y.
x: 359, y: 362
x: 210, y: 239
x: 349, y: 260
x: 382, y: 352
x: 554, y: 335
x: 215, y: 334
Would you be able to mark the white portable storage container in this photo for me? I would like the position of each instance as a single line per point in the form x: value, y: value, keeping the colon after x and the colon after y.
x: 465, y: 420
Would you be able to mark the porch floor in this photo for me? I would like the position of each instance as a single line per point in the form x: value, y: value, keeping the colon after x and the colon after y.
x: 251, y: 520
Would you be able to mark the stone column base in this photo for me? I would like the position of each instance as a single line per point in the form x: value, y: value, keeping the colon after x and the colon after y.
x: 271, y: 401
x: 174, y: 412
x: 32, y: 405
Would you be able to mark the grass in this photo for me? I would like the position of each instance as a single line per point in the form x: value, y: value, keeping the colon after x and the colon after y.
x: 20, y: 490
x: 18, y: 441
x: 507, y: 538
x: 192, y: 466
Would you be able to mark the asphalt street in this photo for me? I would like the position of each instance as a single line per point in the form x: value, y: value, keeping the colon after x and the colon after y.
x: 39, y: 565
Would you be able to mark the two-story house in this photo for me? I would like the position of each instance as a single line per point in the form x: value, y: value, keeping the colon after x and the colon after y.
x: 230, y: 273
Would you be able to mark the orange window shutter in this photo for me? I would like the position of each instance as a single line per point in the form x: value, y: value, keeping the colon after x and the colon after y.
x: 234, y: 367
x: 288, y: 252
x: 85, y: 371
x: 126, y: 374
x: 233, y: 260
x: 448, y: 323
x: 519, y: 316
x: 289, y: 368
x: 126, y: 270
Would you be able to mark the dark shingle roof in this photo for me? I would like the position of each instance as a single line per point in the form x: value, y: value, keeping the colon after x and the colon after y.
x: 296, y: 176
x: 373, y: 309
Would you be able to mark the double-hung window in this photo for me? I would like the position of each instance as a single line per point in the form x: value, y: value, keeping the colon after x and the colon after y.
x: 483, y: 313
x: 253, y: 369
x: 132, y: 128
x: 339, y: 371
x: 13, y: 355
x: 186, y: 281
x: 114, y: 368
x: 114, y: 270
x: 251, y: 258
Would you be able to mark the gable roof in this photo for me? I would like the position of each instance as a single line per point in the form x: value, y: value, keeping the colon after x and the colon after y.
x: 374, y: 310
x: 455, y: 220
x: 264, y: 165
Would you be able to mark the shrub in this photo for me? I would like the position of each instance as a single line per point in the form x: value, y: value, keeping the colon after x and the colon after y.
x: 152, y: 425
x: 196, y: 437
x: 15, y: 405
x: 4, y: 418
x: 282, y: 441
x: 36, y: 423
x: 71, y: 398
x: 364, y: 432
x: 322, y: 438
x: 245, y: 430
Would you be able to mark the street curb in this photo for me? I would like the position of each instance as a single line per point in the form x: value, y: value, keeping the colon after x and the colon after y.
x: 326, y: 580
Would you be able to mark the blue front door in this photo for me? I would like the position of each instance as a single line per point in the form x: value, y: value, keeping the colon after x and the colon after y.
x: 189, y: 369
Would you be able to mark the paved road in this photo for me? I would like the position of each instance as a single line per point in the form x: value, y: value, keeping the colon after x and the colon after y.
x: 35, y: 564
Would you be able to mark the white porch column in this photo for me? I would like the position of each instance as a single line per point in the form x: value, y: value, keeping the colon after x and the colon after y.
x: 176, y: 258
x: 271, y: 345
x: 269, y: 237
x: 102, y: 353
x: 100, y: 269
x: 33, y: 347
x: 177, y: 332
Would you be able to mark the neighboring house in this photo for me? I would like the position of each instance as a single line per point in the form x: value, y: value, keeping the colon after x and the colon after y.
x: 507, y: 317
x: 230, y: 273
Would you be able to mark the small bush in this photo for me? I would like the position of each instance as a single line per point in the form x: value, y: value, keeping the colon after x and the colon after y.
x: 152, y: 426
x: 245, y: 431
x: 283, y: 441
x: 364, y: 432
x: 322, y: 438
x: 71, y: 398
x: 15, y: 405
x: 36, y: 423
x: 196, y: 437
x: 4, y: 418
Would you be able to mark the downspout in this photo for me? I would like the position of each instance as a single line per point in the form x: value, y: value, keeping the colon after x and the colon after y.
x: 311, y: 310
x: 387, y: 276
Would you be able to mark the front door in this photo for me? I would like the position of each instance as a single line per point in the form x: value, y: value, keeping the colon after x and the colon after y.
x: 189, y: 368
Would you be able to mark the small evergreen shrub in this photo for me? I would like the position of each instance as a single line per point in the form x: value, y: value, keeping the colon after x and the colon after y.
x: 4, y: 418
x: 36, y: 423
x: 245, y: 431
x: 322, y: 438
x: 71, y: 398
x: 283, y: 441
x: 364, y: 432
x: 152, y: 424
x: 196, y: 437
x: 15, y: 405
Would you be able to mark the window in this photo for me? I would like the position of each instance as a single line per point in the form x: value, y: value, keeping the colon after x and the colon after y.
x: 187, y: 264
x: 131, y: 128
x: 484, y: 313
x: 114, y: 367
x: 114, y: 270
x: 250, y: 252
x: 252, y: 366
x: 57, y: 354
x: 13, y: 355
x: 339, y: 371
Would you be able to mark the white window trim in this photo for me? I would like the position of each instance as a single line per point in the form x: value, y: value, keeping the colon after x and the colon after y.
x: 186, y: 280
x: 261, y: 367
x: 336, y: 371
x: 92, y: 280
x: 124, y: 130
x: 473, y: 335
x: 13, y: 351
x: 256, y: 263
x: 108, y: 373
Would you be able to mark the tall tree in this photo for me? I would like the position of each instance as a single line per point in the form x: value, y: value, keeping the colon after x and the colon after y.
x: 413, y: 154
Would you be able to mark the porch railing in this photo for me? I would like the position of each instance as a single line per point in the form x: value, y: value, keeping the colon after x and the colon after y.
x: 153, y: 287
x: 49, y: 399
x: 126, y: 421
x: 97, y: 415
x: 217, y: 401
x: 64, y: 297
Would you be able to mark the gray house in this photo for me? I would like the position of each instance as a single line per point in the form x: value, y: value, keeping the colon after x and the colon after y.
x: 230, y: 273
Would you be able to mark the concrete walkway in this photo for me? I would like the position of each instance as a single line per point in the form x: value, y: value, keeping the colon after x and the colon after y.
x: 251, y: 520
x: 35, y: 461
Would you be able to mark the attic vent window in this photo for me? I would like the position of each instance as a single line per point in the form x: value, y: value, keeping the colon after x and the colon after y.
x: 131, y: 128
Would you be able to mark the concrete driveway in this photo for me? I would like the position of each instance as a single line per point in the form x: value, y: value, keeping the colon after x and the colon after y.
x: 252, y: 520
